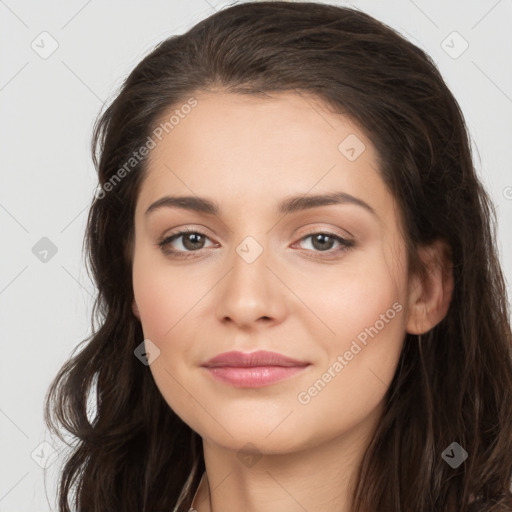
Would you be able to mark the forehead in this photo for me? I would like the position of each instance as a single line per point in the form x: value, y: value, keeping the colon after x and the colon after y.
x: 254, y: 150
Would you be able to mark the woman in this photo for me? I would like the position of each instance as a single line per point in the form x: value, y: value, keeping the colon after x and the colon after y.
x: 301, y: 305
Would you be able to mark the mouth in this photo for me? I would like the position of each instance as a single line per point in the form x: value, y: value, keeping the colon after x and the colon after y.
x: 253, y: 369
x: 253, y: 377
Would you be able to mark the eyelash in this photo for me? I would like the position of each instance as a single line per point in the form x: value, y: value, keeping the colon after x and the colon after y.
x: 164, y: 244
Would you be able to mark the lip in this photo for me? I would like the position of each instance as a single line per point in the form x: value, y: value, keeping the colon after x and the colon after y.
x: 254, y: 369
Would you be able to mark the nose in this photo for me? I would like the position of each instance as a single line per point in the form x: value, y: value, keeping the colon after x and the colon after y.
x: 251, y: 294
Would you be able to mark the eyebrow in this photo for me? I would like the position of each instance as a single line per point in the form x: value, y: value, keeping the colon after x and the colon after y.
x: 288, y: 205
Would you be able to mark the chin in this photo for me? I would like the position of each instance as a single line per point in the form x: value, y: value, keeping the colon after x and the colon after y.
x: 256, y: 434
x: 258, y: 443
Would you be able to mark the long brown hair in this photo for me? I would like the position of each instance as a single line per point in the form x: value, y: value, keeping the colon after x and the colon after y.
x: 452, y: 384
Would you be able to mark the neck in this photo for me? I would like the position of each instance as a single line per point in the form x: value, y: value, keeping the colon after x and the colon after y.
x: 319, y: 478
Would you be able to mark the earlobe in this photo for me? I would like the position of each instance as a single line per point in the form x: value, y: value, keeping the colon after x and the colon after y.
x: 430, y: 294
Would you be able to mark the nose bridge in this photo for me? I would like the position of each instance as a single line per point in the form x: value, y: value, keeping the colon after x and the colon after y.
x: 251, y: 236
x: 249, y: 290
x: 249, y: 264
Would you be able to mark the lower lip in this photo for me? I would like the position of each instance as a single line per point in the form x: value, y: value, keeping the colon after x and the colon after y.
x: 254, y: 376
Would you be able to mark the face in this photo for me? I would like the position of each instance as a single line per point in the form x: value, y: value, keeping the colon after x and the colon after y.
x: 323, y: 283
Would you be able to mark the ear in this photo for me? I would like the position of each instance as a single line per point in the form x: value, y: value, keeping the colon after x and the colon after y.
x: 135, y: 309
x: 430, y: 295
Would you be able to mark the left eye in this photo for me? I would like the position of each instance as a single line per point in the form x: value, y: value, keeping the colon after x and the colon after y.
x: 193, y: 241
x: 321, y: 239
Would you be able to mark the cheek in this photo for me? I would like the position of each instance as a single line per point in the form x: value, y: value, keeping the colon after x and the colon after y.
x: 350, y: 383
x: 167, y: 298
x: 362, y: 298
x: 364, y: 309
x: 360, y: 306
x: 168, y: 302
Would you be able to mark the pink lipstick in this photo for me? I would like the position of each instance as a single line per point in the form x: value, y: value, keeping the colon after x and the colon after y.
x: 254, y: 369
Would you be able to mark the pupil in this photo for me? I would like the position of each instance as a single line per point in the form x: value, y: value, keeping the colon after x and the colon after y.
x: 190, y: 238
x: 320, y: 238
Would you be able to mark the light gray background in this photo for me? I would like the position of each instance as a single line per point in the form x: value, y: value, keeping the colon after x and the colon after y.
x: 48, y: 106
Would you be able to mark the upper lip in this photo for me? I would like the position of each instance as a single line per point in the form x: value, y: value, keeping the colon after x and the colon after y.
x: 250, y: 359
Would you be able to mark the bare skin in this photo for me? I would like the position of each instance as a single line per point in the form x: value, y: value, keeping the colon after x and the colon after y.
x: 304, y: 300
